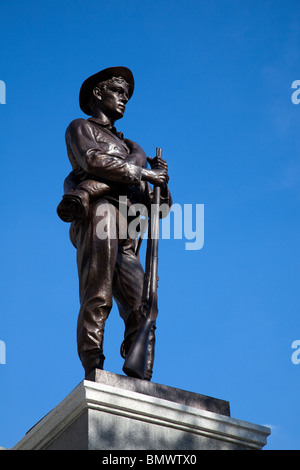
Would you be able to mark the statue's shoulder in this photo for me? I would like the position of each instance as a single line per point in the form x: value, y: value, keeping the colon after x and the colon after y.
x: 77, y: 127
x: 77, y: 124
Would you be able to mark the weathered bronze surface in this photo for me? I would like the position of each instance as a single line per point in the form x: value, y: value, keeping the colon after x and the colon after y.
x: 108, y: 169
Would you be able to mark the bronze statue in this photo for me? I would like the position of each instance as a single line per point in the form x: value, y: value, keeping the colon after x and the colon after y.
x: 107, y: 170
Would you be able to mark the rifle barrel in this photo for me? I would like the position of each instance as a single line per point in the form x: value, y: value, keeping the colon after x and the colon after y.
x: 135, y: 361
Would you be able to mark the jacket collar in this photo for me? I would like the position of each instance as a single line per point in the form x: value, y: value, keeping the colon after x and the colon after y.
x: 110, y: 130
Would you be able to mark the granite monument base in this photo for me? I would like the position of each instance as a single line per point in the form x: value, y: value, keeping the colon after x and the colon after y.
x: 113, y: 412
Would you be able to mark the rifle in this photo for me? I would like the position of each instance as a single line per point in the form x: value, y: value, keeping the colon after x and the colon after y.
x: 135, y: 362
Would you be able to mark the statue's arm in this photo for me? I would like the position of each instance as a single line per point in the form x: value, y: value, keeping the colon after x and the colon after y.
x: 94, y: 160
x: 137, y: 155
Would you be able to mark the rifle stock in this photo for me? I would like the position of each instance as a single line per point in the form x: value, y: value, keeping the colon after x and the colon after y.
x: 135, y: 362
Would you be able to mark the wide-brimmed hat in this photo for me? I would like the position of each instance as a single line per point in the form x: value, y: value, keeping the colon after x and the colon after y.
x: 89, y: 84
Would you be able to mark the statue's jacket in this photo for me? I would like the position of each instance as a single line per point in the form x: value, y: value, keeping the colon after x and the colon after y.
x: 104, y: 164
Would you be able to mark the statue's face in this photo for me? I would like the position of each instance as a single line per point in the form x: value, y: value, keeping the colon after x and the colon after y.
x: 112, y: 98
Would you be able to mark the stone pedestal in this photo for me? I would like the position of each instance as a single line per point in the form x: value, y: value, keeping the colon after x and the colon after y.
x: 113, y: 412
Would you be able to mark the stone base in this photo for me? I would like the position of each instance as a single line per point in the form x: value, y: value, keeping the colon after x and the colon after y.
x: 176, y: 395
x: 114, y: 412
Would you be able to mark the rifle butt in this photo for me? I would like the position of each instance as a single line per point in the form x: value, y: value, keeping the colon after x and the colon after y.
x: 135, y: 362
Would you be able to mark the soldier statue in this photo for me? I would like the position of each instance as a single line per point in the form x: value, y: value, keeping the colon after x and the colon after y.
x: 107, y: 169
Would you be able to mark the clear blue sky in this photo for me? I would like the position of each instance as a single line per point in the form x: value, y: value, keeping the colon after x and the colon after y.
x: 213, y: 89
